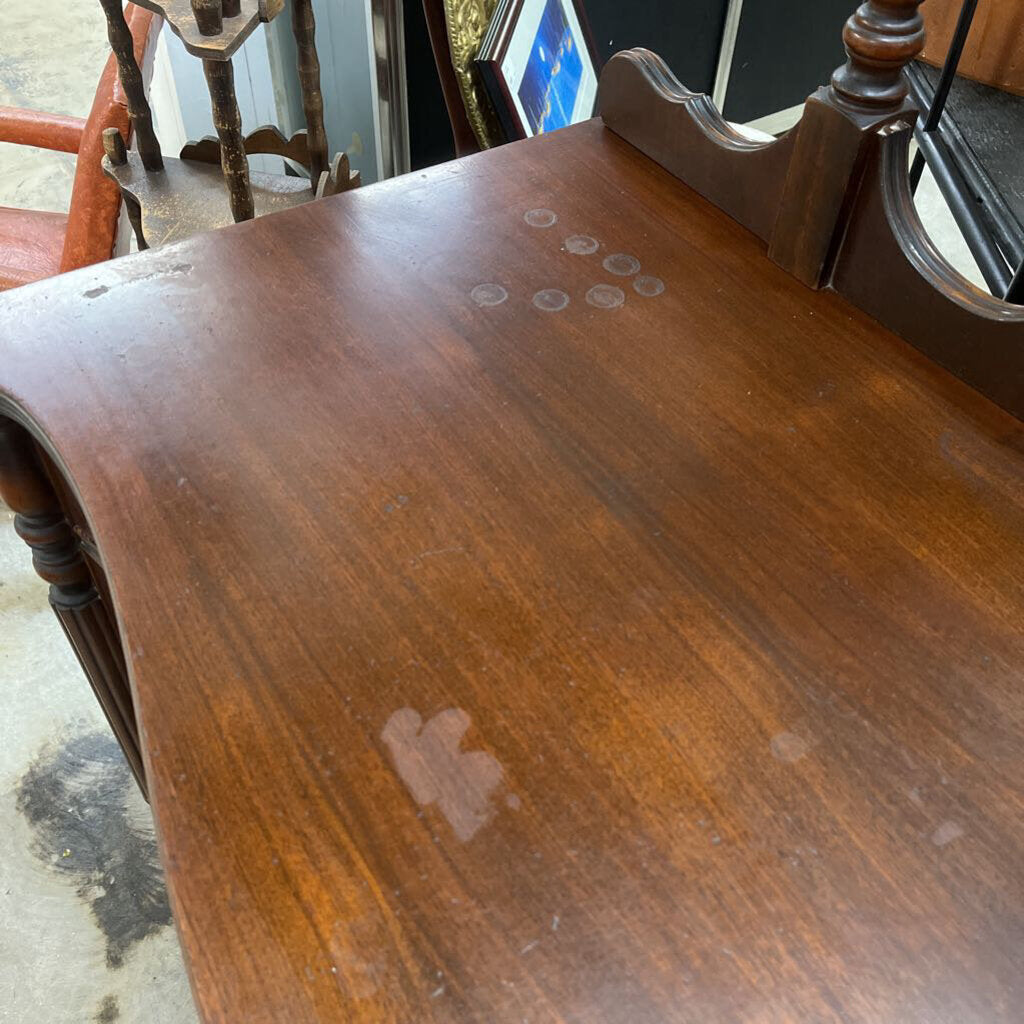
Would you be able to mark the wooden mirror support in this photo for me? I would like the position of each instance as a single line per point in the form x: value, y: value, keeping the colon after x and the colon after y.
x: 169, y: 199
x: 831, y: 197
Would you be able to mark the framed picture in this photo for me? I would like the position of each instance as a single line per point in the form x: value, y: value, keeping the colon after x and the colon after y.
x: 538, y: 64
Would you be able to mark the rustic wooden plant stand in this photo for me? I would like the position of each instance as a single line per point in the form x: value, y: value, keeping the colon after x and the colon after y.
x: 168, y: 199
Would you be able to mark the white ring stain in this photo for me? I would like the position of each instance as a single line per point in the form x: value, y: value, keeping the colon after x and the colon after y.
x: 541, y: 218
x: 606, y: 296
x: 551, y: 300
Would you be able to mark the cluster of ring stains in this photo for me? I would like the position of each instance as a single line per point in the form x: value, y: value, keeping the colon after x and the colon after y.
x: 601, y: 295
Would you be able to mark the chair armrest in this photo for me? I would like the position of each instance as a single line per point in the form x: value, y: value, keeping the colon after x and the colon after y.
x: 48, y: 131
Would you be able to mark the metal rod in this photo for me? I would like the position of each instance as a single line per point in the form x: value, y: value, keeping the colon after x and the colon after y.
x: 304, y: 30
x: 956, y: 48
x: 1015, y: 291
x: 123, y: 46
x: 950, y: 181
x: 941, y: 94
x: 220, y: 79
x: 947, y: 176
x: 1001, y: 222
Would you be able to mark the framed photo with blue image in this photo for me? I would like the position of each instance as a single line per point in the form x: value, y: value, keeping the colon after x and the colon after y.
x: 538, y: 64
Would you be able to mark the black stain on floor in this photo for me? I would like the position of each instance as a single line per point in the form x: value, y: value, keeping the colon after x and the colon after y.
x: 75, y: 795
x: 108, y: 1012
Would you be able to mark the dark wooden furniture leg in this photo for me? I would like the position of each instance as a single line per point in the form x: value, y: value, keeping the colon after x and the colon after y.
x: 220, y: 78
x: 131, y: 81
x: 304, y: 30
x: 57, y: 557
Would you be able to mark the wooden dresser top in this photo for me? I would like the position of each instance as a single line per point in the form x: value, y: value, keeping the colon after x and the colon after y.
x: 501, y: 662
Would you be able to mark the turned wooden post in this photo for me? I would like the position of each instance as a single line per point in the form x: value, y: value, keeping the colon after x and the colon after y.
x: 838, y: 124
x: 131, y: 82
x: 57, y: 558
x: 304, y: 30
x: 209, y: 15
x: 220, y: 79
x: 880, y: 38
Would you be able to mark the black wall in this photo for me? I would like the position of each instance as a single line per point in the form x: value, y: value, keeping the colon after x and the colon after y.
x: 785, y: 49
x: 686, y: 34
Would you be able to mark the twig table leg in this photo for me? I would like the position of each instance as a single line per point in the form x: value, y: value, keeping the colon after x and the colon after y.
x: 304, y: 30
x: 131, y: 82
x: 220, y: 79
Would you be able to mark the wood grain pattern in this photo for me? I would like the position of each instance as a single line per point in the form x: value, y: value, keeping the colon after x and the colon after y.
x: 994, y: 52
x: 727, y: 581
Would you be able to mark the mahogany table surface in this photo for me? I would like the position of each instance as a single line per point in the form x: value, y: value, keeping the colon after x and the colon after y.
x: 720, y: 590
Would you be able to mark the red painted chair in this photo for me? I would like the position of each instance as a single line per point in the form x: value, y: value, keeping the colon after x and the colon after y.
x: 34, y: 244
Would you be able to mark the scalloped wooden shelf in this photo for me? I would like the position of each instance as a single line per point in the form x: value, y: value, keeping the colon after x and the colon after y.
x: 188, y: 196
x: 178, y: 14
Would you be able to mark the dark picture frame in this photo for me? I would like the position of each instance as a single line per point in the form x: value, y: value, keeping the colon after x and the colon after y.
x: 539, y: 65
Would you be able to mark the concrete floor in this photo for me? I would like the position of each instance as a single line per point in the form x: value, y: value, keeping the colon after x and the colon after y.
x: 85, y: 930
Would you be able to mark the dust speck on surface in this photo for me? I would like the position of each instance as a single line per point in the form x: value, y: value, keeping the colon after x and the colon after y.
x: 621, y: 264
x: 489, y: 294
x: 606, y: 296
x: 95, y: 293
x: 541, y: 218
x: 108, y: 1011
x: 787, y: 747
x: 77, y: 796
x: 581, y: 245
x: 946, y: 833
x: 551, y: 300
x: 512, y: 802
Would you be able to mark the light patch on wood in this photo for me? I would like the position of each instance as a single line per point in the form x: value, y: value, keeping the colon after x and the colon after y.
x: 787, y: 747
x: 946, y: 833
x: 435, y: 771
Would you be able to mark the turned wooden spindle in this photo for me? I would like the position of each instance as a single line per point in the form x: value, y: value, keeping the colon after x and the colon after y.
x: 131, y: 82
x: 304, y: 30
x: 114, y: 147
x: 232, y: 8
x: 220, y: 79
x: 209, y: 15
x: 881, y: 37
x: 57, y: 558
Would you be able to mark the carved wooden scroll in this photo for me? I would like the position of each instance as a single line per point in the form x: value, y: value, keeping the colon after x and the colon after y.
x: 831, y: 197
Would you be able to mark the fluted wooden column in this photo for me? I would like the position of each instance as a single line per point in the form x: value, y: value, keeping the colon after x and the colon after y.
x: 57, y: 557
